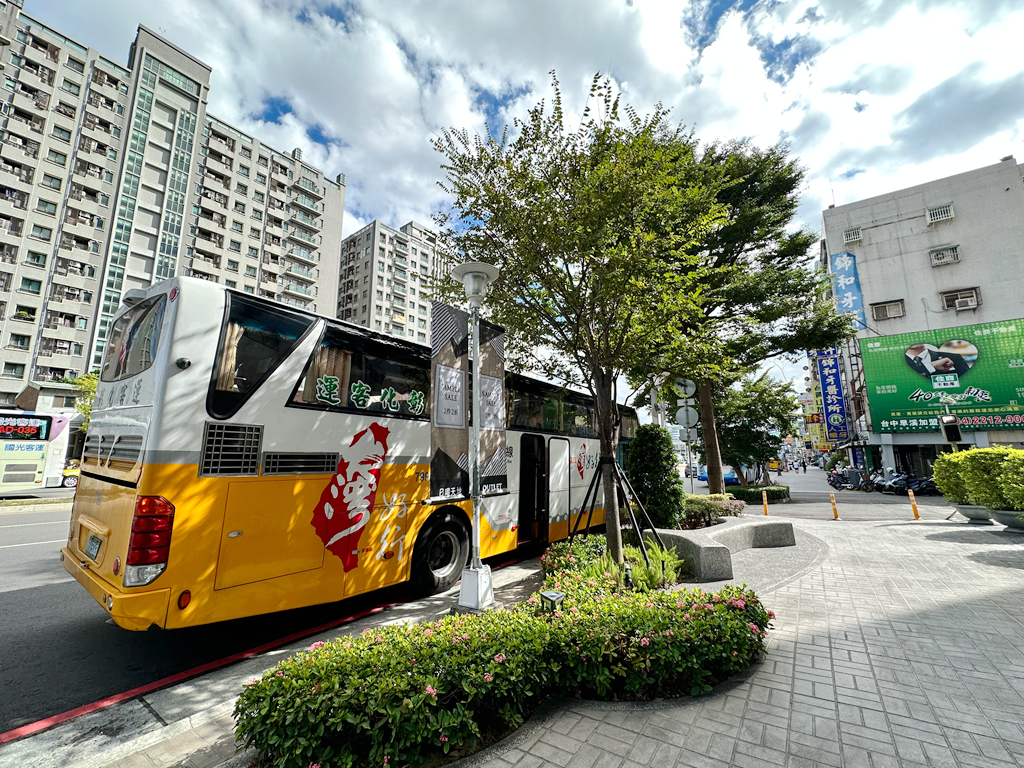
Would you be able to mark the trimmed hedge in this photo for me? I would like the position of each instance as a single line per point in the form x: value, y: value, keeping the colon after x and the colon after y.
x: 980, y: 470
x: 1011, y: 478
x: 752, y: 494
x: 651, y: 468
x: 987, y: 477
x: 947, y: 471
x: 401, y: 695
x: 704, y: 509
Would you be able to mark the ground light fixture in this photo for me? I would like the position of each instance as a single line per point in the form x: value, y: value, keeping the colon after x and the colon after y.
x: 476, y: 591
x: 551, y: 600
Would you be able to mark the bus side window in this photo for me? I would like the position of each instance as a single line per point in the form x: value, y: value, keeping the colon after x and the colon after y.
x: 328, y: 376
x: 552, y: 413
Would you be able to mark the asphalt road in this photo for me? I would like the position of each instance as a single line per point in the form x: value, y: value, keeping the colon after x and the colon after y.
x: 59, y: 650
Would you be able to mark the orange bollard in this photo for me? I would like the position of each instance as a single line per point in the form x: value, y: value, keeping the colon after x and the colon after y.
x: 764, y: 501
x: 835, y: 512
x: 913, y: 504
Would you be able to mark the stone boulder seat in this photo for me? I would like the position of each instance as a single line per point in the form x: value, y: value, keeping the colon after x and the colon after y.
x: 708, y: 551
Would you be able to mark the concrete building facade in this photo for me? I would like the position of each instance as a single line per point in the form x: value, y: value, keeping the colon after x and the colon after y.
x: 384, y: 282
x: 114, y: 177
x: 945, y: 254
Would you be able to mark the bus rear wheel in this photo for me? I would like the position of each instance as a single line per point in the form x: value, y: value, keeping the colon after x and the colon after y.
x: 442, y: 550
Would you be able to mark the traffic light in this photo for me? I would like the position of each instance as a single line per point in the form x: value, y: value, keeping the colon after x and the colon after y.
x: 950, y: 428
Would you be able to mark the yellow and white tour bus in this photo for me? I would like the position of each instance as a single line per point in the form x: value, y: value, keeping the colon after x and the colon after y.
x: 244, y: 457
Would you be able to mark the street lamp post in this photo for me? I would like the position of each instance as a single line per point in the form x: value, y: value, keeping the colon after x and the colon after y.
x: 476, y: 591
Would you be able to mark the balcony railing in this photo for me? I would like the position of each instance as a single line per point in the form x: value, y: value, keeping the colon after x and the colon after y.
x: 303, y: 255
x: 303, y: 274
x: 296, y: 288
x: 307, y: 220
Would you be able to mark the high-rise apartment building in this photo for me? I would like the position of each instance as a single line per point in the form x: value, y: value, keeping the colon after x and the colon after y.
x: 385, y: 276
x: 114, y: 177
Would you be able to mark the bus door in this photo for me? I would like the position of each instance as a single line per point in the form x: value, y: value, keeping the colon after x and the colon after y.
x: 558, y: 483
x: 533, y: 495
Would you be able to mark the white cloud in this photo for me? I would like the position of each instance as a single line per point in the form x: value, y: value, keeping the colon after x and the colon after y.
x: 381, y: 79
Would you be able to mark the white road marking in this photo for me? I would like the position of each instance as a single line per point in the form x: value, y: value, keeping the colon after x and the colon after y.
x: 26, y: 525
x: 33, y: 543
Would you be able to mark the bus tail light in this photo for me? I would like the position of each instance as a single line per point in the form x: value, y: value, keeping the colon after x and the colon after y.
x: 150, y: 543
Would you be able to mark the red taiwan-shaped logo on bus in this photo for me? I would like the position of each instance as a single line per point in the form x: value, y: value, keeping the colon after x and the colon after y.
x: 347, y: 502
x: 581, y: 460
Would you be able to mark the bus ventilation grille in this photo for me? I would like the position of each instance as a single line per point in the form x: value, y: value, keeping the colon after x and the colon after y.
x: 119, y: 451
x: 231, y: 449
x: 299, y: 463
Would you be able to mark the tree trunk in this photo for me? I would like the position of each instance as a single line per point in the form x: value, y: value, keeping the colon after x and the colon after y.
x: 609, y: 436
x: 716, y: 481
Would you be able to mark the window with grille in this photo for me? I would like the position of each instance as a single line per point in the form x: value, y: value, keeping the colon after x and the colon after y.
x: 851, y: 235
x: 940, y: 213
x: 231, y: 449
x: 949, y: 254
x: 967, y: 298
x: 888, y: 310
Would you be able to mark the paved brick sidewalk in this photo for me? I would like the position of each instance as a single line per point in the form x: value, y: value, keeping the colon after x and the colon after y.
x: 905, y: 647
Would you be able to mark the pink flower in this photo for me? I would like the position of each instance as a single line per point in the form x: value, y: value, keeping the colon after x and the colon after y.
x: 734, y: 653
x: 279, y: 674
x: 648, y: 605
x: 644, y: 641
x: 488, y: 677
x: 680, y: 604
x: 533, y: 600
x: 442, y: 737
x: 686, y: 616
x: 500, y: 658
x: 754, y: 628
x: 591, y: 583
x: 456, y: 640
x: 428, y: 632
x: 771, y: 614
x: 557, y: 614
x: 607, y: 574
x: 316, y: 645
x: 387, y: 759
x: 572, y: 559
x: 378, y: 639
x: 314, y: 765
x: 670, y: 633
x: 430, y: 691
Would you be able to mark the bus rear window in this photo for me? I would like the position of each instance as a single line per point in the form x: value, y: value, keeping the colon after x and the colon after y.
x: 131, y: 348
x: 341, y: 376
x: 255, y: 340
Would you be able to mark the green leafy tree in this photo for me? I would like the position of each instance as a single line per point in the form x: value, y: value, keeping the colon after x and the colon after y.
x: 588, y: 226
x: 86, y: 394
x: 652, y: 470
x: 753, y: 416
x: 759, y: 296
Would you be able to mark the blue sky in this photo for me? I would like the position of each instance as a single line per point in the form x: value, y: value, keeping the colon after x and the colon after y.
x: 873, y: 95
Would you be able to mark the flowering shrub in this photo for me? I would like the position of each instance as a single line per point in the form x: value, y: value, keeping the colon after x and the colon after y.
x: 404, y: 694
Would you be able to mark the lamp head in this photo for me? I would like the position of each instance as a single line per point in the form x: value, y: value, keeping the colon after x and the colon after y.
x: 475, y: 277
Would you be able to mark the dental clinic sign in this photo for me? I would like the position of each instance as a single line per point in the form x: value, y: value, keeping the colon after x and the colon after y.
x: 846, y: 286
x: 833, y: 401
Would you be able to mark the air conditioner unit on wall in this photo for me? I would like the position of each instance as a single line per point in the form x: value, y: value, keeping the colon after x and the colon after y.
x: 970, y: 303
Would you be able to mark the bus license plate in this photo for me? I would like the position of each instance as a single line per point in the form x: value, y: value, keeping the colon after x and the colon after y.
x: 93, y: 547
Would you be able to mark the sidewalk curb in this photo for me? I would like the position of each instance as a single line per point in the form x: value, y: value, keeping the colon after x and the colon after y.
x: 160, y: 735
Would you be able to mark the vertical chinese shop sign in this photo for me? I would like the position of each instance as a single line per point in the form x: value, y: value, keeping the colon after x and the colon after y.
x: 836, y: 428
x: 847, y: 288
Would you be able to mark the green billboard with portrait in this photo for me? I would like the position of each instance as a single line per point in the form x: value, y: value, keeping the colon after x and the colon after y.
x: 977, y: 371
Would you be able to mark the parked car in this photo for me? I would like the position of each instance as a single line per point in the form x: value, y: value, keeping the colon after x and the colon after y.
x: 728, y: 472
x: 70, y: 473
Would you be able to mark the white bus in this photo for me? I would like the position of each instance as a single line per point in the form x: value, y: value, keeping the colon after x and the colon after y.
x: 32, y: 450
x: 244, y: 457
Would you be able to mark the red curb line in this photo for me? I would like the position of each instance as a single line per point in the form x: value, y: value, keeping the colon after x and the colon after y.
x: 85, y: 709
